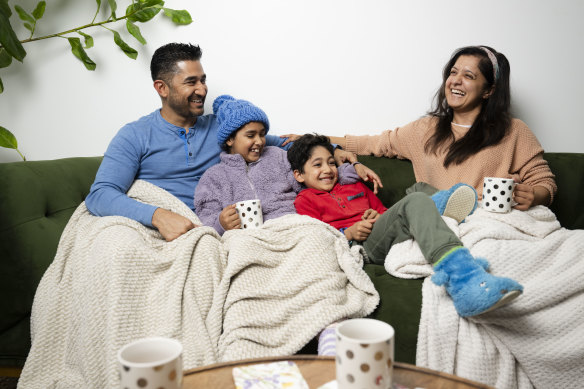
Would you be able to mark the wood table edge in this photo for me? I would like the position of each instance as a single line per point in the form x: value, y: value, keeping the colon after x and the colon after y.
x: 220, y: 365
x: 308, y: 357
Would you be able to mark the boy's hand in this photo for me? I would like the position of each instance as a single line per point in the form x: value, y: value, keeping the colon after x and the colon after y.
x: 229, y: 218
x: 370, y: 214
x: 360, y: 230
x: 367, y: 174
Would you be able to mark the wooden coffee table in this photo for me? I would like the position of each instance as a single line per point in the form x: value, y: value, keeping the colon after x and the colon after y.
x: 318, y: 371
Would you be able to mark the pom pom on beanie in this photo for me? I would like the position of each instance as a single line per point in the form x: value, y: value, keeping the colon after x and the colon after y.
x: 232, y: 114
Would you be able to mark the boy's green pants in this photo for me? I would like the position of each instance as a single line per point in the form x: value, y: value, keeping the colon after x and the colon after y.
x: 415, y: 216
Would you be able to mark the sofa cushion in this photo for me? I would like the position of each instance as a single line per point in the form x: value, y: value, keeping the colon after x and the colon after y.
x: 399, y: 306
x: 396, y: 175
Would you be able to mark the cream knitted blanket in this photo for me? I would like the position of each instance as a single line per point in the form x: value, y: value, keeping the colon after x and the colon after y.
x: 536, y: 341
x: 257, y: 293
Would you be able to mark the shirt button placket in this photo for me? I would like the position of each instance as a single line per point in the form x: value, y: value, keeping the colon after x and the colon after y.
x: 192, y: 134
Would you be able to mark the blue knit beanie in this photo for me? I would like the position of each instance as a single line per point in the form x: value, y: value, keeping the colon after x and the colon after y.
x: 233, y: 114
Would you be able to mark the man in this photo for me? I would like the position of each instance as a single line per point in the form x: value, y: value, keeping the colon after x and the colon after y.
x: 171, y: 147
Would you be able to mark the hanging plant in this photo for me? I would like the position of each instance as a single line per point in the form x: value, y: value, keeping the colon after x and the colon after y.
x: 11, y: 47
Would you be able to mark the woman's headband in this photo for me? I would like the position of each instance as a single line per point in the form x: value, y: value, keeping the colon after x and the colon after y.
x: 493, y: 59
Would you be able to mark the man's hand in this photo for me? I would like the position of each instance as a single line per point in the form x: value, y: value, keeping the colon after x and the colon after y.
x: 360, y: 230
x: 229, y: 218
x: 367, y: 174
x: 291, y: 138
x: 171, y: 225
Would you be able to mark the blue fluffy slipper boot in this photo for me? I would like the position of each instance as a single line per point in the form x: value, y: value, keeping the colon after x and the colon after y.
x: 472, y: 289
x: 457, y: 202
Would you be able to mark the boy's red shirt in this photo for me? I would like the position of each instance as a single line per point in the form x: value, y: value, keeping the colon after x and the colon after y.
x: 342, y: 207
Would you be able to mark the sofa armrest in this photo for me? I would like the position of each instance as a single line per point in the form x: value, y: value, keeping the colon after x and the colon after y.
x: 36, y: 201
x: 569, y: 171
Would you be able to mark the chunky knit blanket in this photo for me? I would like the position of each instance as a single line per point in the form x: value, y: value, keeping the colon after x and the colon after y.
x: 251, y: 294
x: 534, y: 342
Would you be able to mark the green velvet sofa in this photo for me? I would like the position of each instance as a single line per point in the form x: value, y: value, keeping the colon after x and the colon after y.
x: 38, y: 197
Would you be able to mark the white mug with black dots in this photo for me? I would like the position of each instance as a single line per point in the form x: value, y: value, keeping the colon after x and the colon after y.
x: 498, y: 194
x: 250, y: 213
x: 364, y: 354
x: 151, y: 363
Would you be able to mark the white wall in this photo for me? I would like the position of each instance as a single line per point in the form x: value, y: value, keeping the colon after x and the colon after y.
x: 332, y: 66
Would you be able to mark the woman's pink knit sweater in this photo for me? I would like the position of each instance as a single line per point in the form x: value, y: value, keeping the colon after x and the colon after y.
x: 519, y: 155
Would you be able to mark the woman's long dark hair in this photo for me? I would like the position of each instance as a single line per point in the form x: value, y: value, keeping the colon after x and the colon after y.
x: 493, y: 121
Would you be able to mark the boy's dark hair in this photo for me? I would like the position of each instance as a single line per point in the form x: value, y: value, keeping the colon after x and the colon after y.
x: 301, y: 149
x: 165, y: 58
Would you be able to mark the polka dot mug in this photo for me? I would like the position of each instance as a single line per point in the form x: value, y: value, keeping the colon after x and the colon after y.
x: 498, y: 194
x: 364, y: 357
x: 151, y: 363
x: 250, y: 213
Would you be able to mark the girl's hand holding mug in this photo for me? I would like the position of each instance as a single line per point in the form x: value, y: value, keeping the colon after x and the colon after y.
x: 229, y: 218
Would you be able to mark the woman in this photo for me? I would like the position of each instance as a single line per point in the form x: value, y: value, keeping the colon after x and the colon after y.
x: 469, y: 134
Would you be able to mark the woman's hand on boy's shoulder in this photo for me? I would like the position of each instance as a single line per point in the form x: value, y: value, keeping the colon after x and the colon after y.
x: 342, y: 156
x: 367, y: 174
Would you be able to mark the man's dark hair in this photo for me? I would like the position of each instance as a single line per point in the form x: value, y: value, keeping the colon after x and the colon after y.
x: 164, y: 60
x: 301, y: 149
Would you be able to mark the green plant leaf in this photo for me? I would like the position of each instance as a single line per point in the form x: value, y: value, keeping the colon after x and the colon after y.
x: 150, y: 3
x: 7, y: 139
x: 135, y: 31
x: 113, y: 6
x: 5, y: 8
x: 8, y: 38
x: 181, y: 17
x: 143, y: 12
x: 23, y: 15
x: 29, y: 27
x: 88, y: 39
x: 39, y: 10
x: 77, y: 50
x: 1, y: 86
x: 130, y: 52
x: 5, y: 59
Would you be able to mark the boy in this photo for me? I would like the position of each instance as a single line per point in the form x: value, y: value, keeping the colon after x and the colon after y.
x: 359, y: 214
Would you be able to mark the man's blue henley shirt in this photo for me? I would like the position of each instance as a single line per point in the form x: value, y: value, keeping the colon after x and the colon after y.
x: 161, y: 153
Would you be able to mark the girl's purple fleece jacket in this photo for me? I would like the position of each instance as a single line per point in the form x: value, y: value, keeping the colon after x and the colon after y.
x: 269, y: 179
